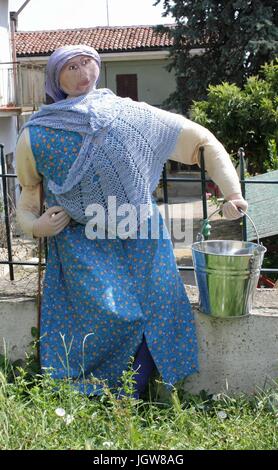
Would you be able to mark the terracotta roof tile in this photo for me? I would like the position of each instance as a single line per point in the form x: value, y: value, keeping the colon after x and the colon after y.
x: 104, y: 39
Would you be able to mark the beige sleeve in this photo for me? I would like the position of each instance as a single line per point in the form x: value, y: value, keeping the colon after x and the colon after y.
x: 218, y: 163
x: 28, y: 204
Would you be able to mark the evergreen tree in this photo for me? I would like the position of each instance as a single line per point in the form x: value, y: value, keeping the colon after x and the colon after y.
x: 232, y: 40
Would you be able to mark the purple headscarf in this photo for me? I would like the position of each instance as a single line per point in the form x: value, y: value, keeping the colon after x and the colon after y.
x: 57, y: 60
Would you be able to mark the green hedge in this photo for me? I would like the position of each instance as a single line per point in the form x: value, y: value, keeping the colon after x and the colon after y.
x: 245, y: 117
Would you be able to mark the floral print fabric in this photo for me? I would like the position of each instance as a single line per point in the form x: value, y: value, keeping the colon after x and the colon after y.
x: 100, y: 296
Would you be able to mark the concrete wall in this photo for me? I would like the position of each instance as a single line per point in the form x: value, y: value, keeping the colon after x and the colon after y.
x: 17, y: 317
x: 236, y: 354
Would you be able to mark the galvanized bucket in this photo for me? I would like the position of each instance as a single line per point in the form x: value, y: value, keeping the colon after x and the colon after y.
x: 227, y: 273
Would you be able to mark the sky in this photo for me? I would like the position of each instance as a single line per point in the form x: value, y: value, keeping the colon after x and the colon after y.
x: 67, y: 14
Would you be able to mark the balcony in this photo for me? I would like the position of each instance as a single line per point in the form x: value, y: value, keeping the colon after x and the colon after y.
x: 21, y: 88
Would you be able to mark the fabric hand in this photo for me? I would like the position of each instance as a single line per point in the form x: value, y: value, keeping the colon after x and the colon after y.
x: 229, y: 208
x: 52, y: 222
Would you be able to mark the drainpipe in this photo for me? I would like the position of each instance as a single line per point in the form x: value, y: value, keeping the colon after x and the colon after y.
x: 13, y: 20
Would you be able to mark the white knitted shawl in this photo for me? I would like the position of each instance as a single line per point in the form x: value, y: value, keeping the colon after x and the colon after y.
x: 125, y: 146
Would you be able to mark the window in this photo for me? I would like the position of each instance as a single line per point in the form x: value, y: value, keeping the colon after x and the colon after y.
x: 127, y: 86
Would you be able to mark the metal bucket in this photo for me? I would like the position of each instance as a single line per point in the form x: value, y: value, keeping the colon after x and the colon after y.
x: 227, y: 273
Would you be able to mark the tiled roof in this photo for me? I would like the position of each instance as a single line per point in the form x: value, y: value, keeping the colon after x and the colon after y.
x: 104, y: 39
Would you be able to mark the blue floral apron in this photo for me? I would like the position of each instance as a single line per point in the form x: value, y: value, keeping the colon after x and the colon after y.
x: 100, y: 296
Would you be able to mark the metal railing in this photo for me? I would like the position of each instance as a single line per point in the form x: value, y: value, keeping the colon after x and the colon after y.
x: 202, y: 180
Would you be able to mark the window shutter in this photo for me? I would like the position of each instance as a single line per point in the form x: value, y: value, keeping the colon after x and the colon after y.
x: 127, y: 86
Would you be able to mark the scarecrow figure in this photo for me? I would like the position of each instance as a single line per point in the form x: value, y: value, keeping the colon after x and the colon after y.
x: 117, y: 294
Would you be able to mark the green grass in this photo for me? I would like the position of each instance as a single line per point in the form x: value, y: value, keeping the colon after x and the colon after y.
x: 29, y: 418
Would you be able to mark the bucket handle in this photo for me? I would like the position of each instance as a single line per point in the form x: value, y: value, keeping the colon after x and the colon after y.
x: 200, y: 235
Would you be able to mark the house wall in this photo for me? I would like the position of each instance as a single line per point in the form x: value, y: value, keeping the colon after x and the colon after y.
x: 7, y: 91
x: 155, y: 83
x: 7, y: 122
x: 8, y: 133
x: 5, y: 55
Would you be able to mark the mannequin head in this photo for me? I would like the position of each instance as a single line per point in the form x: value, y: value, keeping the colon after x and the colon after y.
x: 78, y: 76
x: 72, y: 71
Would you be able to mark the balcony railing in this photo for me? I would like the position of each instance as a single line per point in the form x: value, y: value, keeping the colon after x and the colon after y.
x: 21, y: 87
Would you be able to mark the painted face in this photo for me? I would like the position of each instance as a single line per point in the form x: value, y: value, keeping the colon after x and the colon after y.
x: 79, y: 75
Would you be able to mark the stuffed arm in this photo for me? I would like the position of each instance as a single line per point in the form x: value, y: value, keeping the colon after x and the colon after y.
x: 217, y: 163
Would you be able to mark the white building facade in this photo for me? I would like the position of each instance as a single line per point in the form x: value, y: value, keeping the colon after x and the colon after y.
x: 8, y: 109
